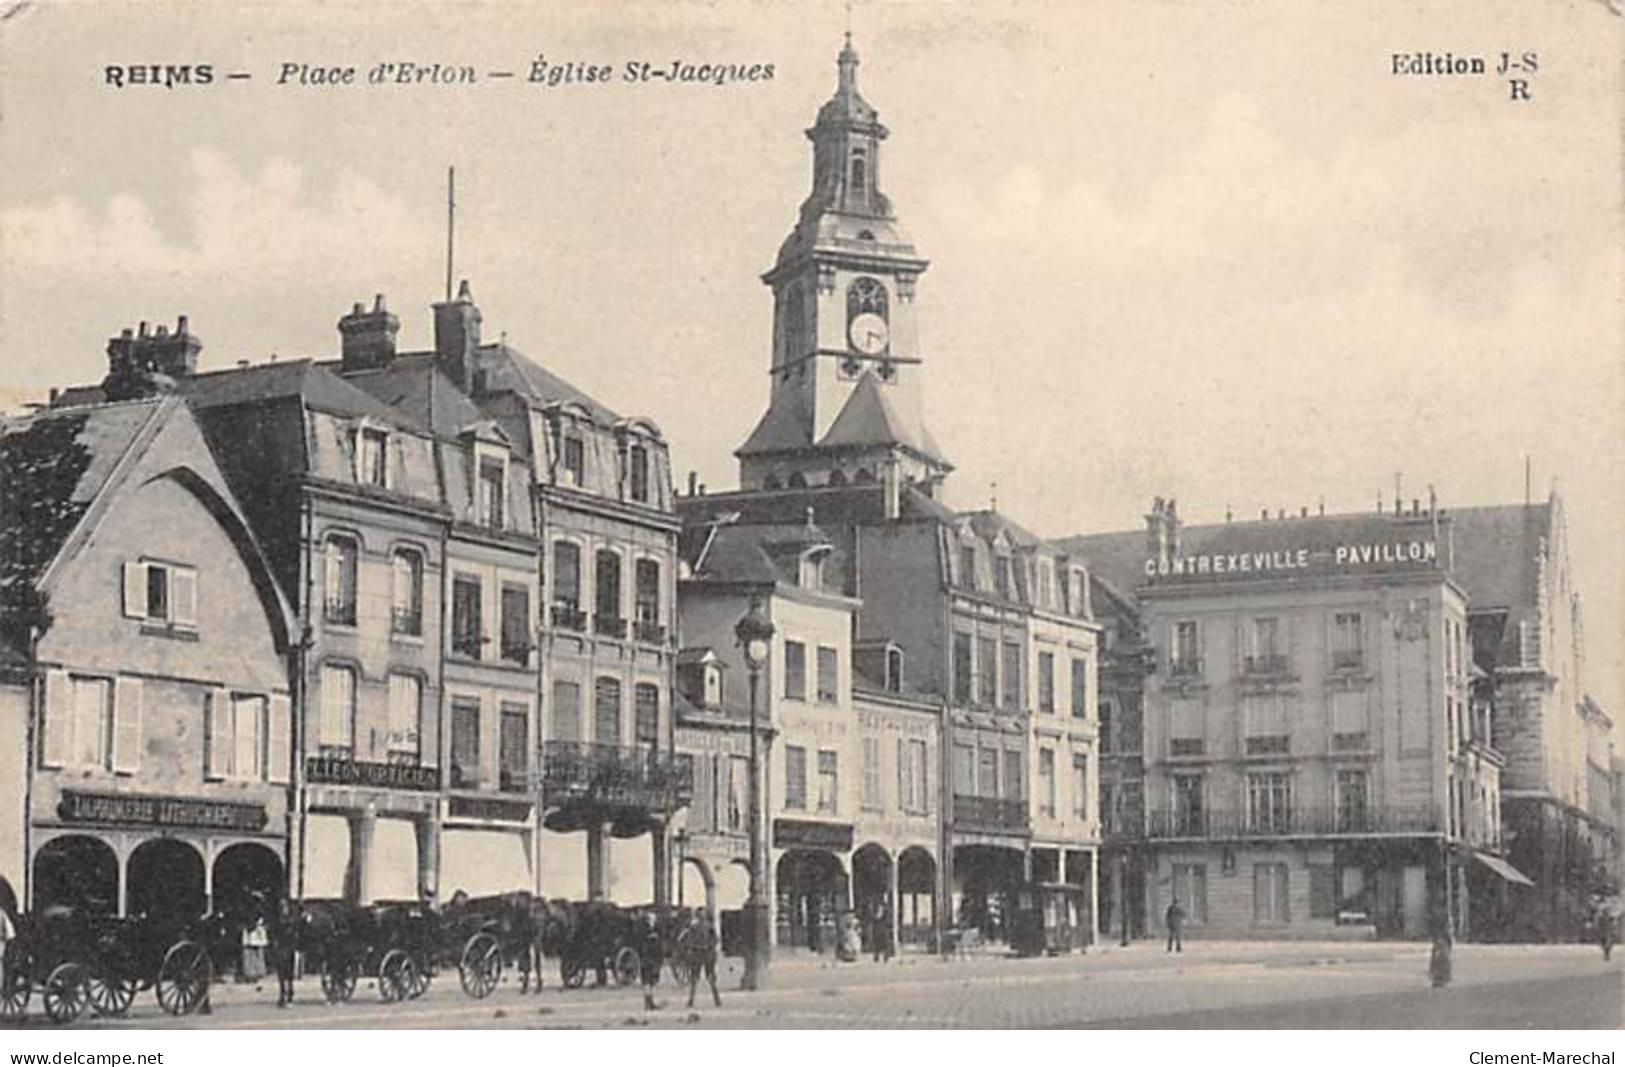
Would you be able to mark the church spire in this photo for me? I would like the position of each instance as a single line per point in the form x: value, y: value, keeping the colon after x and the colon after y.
x: 847, y: 63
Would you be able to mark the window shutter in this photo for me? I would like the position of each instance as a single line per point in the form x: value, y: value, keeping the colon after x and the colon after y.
x: 127, y: 698
x: 183, y: 595
x: 278, y: 739
x: 217, y: 735
x: 902, y: 774
x: 58, y: 739
x: 135, y: 590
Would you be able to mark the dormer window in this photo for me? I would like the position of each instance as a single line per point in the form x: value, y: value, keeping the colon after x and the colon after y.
x: 812, y: 568
x: 967, y: 566
x: 637, y: 460
x: 894, y: 670
x: 574, y: 457
x: 711, y: 695
x: 1005, y: 577
x: 372, y: 461
x: 493, y: 478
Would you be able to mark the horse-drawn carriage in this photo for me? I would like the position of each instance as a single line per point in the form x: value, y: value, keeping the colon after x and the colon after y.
x: 78, y: 958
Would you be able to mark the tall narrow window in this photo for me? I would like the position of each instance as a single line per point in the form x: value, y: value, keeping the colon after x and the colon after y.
x: 340, y: 574
x: 1003, y: 576
x: 795, y: 777
x: 1270, y: 893
x: 646, y: 713
x: 1351, y: 801
x: 915, y: 797
x: 638, y: 459
x: 648, y: 602
x: 1348, y: 650
x: 513, y: 742
x: 1046, y: 781
x: 575, y: 460
x: 962, y: 668
x: 248, y: 737
x: 567, y: 585
x: 871, y: 773
x: 987, y: 772
x: 516, y: 624
x: 405, y: 710
x: 406, y: 592
x: 1190, y: 889
x: 1046, y: 682
x: 92, y: 721
x: 466, y: 630
x: 337, y: 733
x: 987, y: 671
x: 1014, y: 779
x: 964, y: 770
x: 607, y: 603
x: 1187, y: 657
x: 860, y: 175
x: 1188, y: 814
x: 1107, y: 742
x: 465, y: 743
x: 1267, y: 656
x: 738, y: 783
x: 1269, y: 802
x: 829, y: 671
x: 1013, y: 699
x: 795, y: 670
x: 894, y: 670
x: 828, y: 782
x: 492, y: 477
x: 566, y: 711
x: 1080, y: 690
x: 1080, y: 785
x: 374, y: 457
x: 967, y: 566
x: 606, y: 711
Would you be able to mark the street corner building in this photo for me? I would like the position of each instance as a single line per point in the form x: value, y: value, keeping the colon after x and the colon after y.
x: 965, y: 618
x: 147, y: 710
x: 1347, y: 725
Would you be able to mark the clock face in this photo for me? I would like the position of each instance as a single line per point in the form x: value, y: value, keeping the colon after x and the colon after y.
x: 868, y: 333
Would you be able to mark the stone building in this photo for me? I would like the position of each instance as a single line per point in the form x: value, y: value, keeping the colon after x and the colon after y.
x: 145, y: 652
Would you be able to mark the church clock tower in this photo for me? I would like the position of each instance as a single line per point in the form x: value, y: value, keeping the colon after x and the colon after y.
x: 845, y: 400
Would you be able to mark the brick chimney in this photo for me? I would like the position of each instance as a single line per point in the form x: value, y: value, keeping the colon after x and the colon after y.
x: 1162, y: 540
x: 142, y: 364
x: 457, y: 338
x: 368, y: 337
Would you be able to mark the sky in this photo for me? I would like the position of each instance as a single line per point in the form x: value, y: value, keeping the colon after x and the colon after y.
x: 1217, y: 252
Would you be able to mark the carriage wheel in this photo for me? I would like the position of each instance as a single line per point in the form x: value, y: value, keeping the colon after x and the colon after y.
x: 65, y: 995
x: 396, y: 976
x: 111, y: 994
x: 183, y: 978
x: 338, y: 981
x: 16, y: 989
x: 420, y: 981
x: 627, y: 966
x: 572, y: 972
x: 480, y: 967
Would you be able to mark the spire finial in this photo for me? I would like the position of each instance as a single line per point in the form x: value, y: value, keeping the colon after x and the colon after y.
x: 848, y: 60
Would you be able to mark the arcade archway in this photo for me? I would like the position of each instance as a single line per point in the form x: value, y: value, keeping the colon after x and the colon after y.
x: 248, y: 879
x: 164, y: 878
x: 916, y: 896
x: 76, y: 871
x: 812, y: 891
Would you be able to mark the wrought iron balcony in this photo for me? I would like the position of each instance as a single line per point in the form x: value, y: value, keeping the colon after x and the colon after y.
x: 1271, y: 663
x: 1348, y: 660
x: 408, y: 621
x: 1185, y: 666
x: 1292, y: 822
x: 609, y: 626
x: 339, y: 612
x: 568, y: 616
x: 651, y: 633
x: 1351, y: 741
x: 1186, y: 746
x: 615, y: 775
x: 514, y: 781
x: 990, y: 813
x: 1269, y: 745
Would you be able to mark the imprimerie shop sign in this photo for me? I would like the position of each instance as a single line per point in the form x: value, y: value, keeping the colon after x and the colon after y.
x: 125, y: 809
x: 1275, y: 562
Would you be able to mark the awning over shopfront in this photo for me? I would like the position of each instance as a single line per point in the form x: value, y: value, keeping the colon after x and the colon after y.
x: 1503, y: 868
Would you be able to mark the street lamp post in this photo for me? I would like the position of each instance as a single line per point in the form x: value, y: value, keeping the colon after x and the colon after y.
x: 755, y: 632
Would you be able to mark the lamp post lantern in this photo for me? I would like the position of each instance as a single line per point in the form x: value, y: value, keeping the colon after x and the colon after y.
x: 755, y: 634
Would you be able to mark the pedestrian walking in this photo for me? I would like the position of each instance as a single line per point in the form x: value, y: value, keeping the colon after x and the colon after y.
x: 697, y: 948
x: 1175, y: 918
x: 1607, y: 931
x: 255, y: 940
x: 651, y: 957
x: 283, y: 937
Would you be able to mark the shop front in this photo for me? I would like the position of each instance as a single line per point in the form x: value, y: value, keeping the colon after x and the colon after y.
x: 812, y: 887
x: 370, y: 830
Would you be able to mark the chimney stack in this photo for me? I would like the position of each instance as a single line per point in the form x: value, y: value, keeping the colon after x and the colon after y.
x: 457, y: 338
x: 368, y: 337
x: 145, y: 364
x: 1162, y: 530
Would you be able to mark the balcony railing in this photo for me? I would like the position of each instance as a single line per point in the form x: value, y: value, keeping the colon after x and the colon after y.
x: 339, y: 612
x: 1185, y: 666
x: 514, y: 781
x: 1348, y: 660
x: 1270, y: 663
x: 1186, y: 746
x: 989, y: 813
x: 408, y: 621
x: 651, y: 633
x: 464, y: 777
x: 1351, y: 741
x: 1269, y: 745
x: 609, y: 626
x: 1293, y: 822
x: 569, y: 617
x: 615, y: 775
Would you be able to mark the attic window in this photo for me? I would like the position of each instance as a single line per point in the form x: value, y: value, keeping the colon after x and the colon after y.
x: 575, y: 460
x: 371, y: 461
x: 894, y: 670
x: 812, y: 568
x: 492, y: 479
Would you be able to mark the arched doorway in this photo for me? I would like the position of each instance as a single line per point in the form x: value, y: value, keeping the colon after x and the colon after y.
x: 812, y: 893
x: 247, y: 880
x: 77, y: 871
x: 987, y: 877
x: 871, y: 889
x: 917, y: 896
x: 837, y: 478
x: 697, y: 887
x: 164, y: 878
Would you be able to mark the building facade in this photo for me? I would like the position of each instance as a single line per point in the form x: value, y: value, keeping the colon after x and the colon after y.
x: 147, y: 682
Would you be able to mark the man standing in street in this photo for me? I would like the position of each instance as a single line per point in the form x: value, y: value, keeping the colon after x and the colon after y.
x: 651, y: 957
x: 1175, y: 919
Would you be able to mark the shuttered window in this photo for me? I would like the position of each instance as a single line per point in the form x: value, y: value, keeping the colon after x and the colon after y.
x: 566, y: 711
x: 606, y: 711
x: 161, y: 592
x: 871, y: 774
x: 646, y: 713
x: 279, y: 740
x: 128, y: 694
x: 795, y: 777
x: 514, y: 741
x: 405, y: 711
x: 337, y: 733
x: 465, y: 743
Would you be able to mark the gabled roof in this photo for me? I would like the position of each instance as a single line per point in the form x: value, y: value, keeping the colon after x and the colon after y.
x: 1496, y: 549
x: 870, y: 419
x: 764, y: 553
x: 317, y: 387
x: 54, y: 464
x: 507, y: 369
